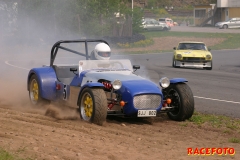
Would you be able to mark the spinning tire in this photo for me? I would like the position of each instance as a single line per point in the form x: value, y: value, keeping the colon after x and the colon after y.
x: 93, y: 106
x: 34, y: 92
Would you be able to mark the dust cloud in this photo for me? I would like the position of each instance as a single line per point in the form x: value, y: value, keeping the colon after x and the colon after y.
x: 62, y: 112
x: 26, y: 41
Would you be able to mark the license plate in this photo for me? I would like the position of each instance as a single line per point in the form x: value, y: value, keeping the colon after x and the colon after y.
x: 147, y: 113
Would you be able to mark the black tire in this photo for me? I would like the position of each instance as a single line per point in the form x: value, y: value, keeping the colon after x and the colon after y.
x: 182, y: 101
x: 96, y: 112
x: 209, y: 68
x: 174, y: 63
x: 225, y: 26
x: 34, y: 92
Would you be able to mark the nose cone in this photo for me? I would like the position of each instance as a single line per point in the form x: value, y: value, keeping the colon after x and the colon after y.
x: 141, y: 87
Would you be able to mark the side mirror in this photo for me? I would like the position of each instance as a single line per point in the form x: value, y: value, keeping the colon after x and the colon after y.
x: 73, y: 70
x: 174, y: 48
x: 209, y: 49
x: 136, y: 67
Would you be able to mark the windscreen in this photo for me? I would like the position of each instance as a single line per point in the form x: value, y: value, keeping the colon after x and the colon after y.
x: 109, y: 65
x: 192, y: 46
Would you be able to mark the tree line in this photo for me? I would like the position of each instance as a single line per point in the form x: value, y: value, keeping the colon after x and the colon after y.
x: 51, y: 18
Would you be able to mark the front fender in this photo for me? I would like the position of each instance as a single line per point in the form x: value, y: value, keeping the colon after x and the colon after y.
x: 89, y: 85
x: 46, y: 78
x: 177, y: 80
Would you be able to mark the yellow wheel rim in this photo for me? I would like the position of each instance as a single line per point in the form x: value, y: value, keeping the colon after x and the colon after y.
x: 88, y: 106
x: 35, y: 90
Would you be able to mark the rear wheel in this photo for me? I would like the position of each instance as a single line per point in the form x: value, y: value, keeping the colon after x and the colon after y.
x: 34, y: 92
x: 225, y: 26
x: 182, y: 101
x: 93, y: 106
x: 165, y: 29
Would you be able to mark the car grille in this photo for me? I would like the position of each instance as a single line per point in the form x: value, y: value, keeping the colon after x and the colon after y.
x: 193, y: 59
x: 148, y: 101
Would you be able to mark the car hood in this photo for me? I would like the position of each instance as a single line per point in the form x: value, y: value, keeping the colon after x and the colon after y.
x: 113, y: 75
x: 143, y: 86
x: 132, y: 83
x: 193, y: 53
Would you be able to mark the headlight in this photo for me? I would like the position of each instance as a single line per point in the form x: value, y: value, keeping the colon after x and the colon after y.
x: 179, y: 56
x: 164, y: 82
x: 208, y: 56
x: 117, y: 84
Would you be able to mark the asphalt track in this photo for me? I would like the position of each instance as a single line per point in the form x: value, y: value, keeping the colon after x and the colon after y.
x: 216, y: 91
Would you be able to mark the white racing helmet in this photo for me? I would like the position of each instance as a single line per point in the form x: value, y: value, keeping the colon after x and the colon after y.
x: 101, y: 52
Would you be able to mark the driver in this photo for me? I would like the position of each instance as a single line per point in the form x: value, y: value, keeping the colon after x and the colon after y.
x: 101, y: 52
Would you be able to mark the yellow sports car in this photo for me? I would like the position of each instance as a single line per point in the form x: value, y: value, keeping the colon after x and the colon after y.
x: 192, y: 54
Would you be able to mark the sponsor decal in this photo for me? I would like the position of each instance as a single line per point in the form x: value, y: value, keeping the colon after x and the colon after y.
x: 64, y: 92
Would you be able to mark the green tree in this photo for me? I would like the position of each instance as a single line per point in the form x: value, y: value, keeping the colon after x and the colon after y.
x: 59, y: 19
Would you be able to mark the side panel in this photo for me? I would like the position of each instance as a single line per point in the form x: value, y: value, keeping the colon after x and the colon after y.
x: 77, y: 81
x: 73, y: 97
x: 47, y: 81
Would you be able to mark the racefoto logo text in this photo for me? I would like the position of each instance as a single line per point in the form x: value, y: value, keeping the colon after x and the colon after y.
x: 211, y: 151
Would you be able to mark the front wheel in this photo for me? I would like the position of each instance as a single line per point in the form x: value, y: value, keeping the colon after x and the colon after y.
x: 34, y: 92
x: 93, y: 106
x: 182, y: 101
x: 174, y: 63
x: 209, y: 68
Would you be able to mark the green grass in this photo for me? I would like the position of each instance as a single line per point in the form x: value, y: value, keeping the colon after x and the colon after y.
x: 231, y: 42
x: 234, y: 140
x: 4, y: 155
x: 216, y: 121
x: 227, y: 125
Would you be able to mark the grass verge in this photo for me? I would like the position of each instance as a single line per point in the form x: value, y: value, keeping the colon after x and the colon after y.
x: 231, y: 42
x: 227, y: 125
x: 4, y: 155
x: 215, y: 121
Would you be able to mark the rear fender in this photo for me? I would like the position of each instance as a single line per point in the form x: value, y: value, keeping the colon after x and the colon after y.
x: 89, y: 85
x: 46, y: 78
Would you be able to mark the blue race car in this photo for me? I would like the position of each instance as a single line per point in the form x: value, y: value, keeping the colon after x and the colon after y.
x: 106, y: 87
